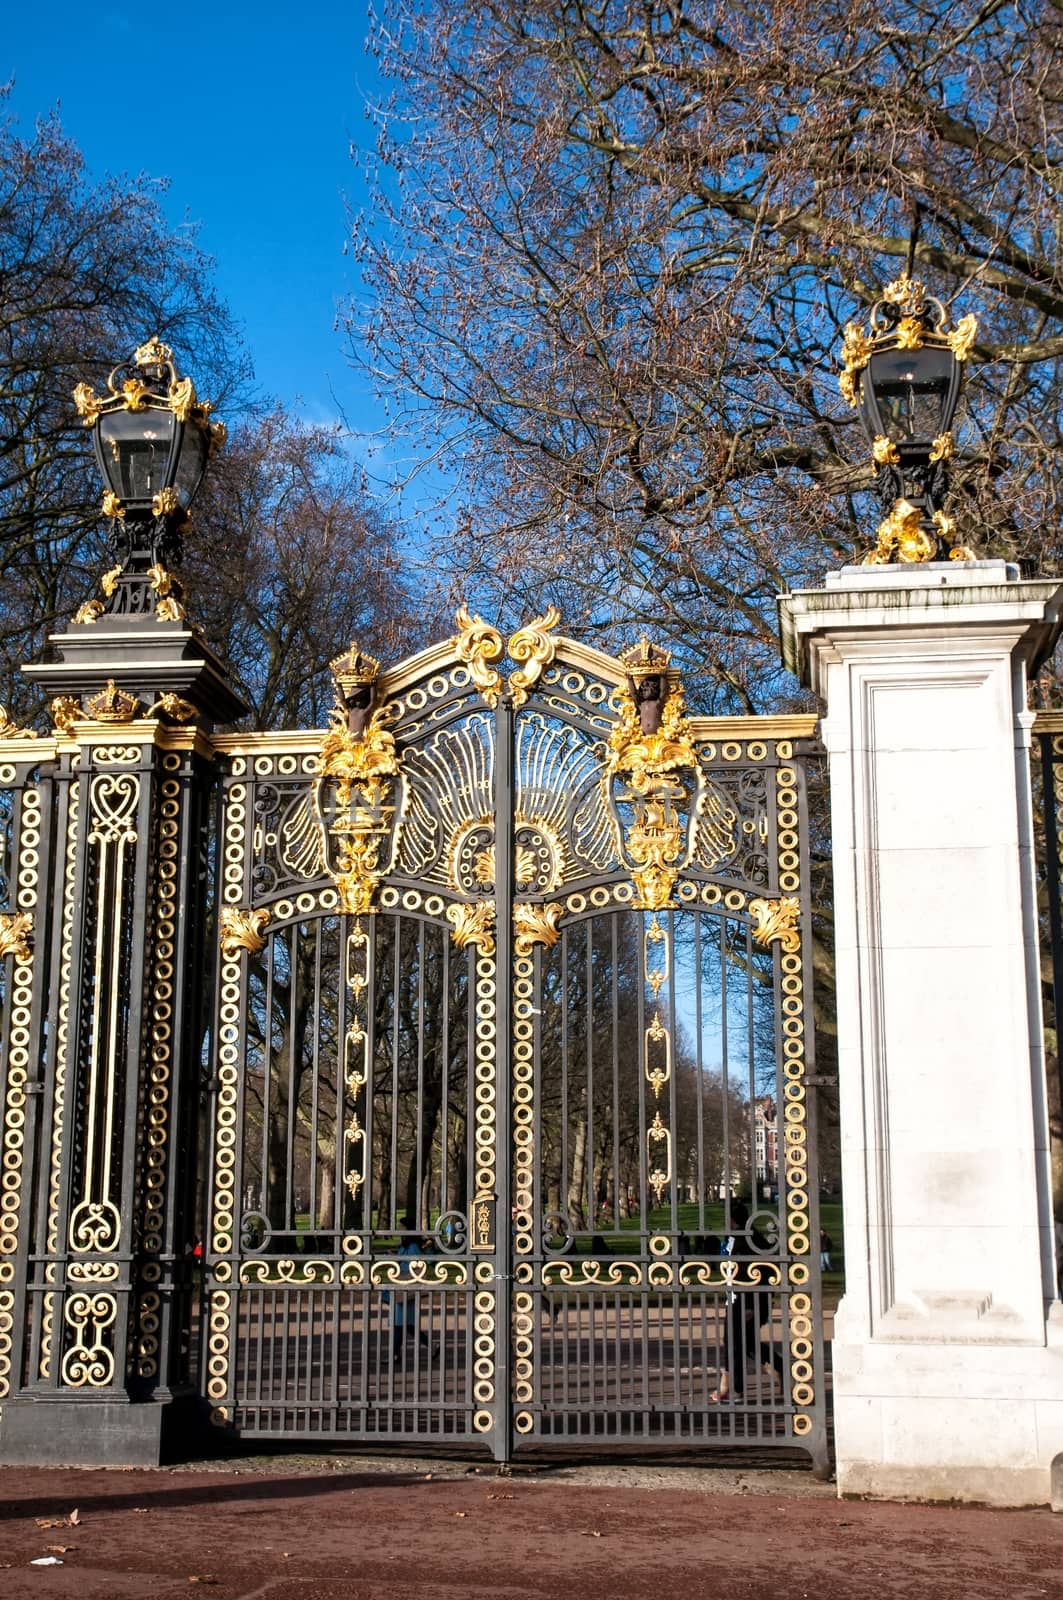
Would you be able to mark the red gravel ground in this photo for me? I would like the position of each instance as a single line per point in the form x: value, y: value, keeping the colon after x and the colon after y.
x: 340, y: 1529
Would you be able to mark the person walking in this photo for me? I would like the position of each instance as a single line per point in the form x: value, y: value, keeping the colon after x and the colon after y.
x: 748, y: 1310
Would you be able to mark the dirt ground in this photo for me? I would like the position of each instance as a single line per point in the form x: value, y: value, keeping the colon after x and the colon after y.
x: 347, y: 1528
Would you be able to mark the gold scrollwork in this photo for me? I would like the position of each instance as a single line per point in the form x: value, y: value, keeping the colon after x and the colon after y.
x: 532, y: 645
x: 287, y: 1271
x: 777, y: 919
x: 479, y: 646
x: 581, y: 1274
x: 89, y: 1363
x: 473, y: 924
x: 92, y: 1271
x: 16, y: 935
x: 242, y: 929
x: 90, y: 611
x: 95, y: 1225
x: 962, y: 337
x: 536, y: 924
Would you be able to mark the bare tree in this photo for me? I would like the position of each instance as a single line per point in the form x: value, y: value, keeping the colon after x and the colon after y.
x: 610, y: 252
x: 88, y: 270
x: 289, y: 562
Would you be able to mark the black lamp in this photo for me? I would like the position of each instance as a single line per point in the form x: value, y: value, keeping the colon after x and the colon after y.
x: 904, y: 375
x: 153, y: 440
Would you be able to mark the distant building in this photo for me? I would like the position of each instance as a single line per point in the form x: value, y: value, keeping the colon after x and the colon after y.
x: 766, y: 1146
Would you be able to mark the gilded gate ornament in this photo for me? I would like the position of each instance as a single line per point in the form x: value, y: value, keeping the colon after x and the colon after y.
x: 652, y: 767
x: 777, y: 919
x: 358, y: 794
x: 112, y: 704
x: 535, y: 924
x: 242, y: 929
x: 480, y: 646
x: 473, y: 924
x: 534, y: 645
x: 16, y: 935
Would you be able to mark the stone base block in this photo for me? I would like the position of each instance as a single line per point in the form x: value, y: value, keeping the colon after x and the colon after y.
x: 949, y: 1422
x: 101, y: 1433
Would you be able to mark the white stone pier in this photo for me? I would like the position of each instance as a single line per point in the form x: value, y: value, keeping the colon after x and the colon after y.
x: 948, y: 1346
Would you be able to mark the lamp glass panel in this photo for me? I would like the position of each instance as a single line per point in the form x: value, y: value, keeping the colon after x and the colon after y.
x: 135, y: 447
x: 191, y: 462
x: 911, y: 390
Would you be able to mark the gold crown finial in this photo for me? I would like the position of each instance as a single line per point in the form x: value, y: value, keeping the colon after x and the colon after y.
x: 645, y: 660
x: 353, y: 669
x: 113, y: 704
x: 153, y: 353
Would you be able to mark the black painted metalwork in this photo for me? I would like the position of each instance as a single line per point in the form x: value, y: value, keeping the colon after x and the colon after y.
x: 479, y: 1154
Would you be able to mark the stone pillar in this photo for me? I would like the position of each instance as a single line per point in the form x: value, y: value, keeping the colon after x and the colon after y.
x: 948, y: 1347
x: 104, y: 1222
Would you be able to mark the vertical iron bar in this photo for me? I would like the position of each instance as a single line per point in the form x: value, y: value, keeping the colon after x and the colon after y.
x: 1050, y: 809
x: 502, y: 1440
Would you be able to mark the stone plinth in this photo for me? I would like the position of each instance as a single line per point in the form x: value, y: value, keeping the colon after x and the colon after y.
x: 948, y: 1348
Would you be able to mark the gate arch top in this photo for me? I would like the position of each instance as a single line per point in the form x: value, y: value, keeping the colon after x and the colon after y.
x: 568, y: 701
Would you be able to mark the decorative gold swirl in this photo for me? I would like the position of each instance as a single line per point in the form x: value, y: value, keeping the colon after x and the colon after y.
x: 532, y: 644
x: 480, y: 646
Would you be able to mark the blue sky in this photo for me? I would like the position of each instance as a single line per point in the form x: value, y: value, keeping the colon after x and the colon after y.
x: 250, y: 111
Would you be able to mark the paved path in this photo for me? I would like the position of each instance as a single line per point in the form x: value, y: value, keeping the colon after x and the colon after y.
x: 343, y: 1528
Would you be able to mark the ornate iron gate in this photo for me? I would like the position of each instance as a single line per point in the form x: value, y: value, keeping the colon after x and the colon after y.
x: 510, y: 1029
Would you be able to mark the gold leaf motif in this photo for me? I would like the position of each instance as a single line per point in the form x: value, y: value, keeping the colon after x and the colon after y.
x: 241, y: 929
x: 941, y: 449
x: 165, y: 503
x: 109, y: 581
x: 534, y: 925
x: 532, y: 644
x: 170, y: 610
x: 134, y: 394
x: 777, y: 919
x: 182, y: 397
x: 962, y: 337
x: 473, y: 924
x: 884, y: 452
x: 110, y: 505
x: 90, y: 611
x: 908, y: 334
x: 479, y: 646
x: 87, y: 403
x: 856, y: 349
x: 16, y: 935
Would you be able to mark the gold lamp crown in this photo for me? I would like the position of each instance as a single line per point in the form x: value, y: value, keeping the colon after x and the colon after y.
x: 645, y: 660
x: 353, y: 670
